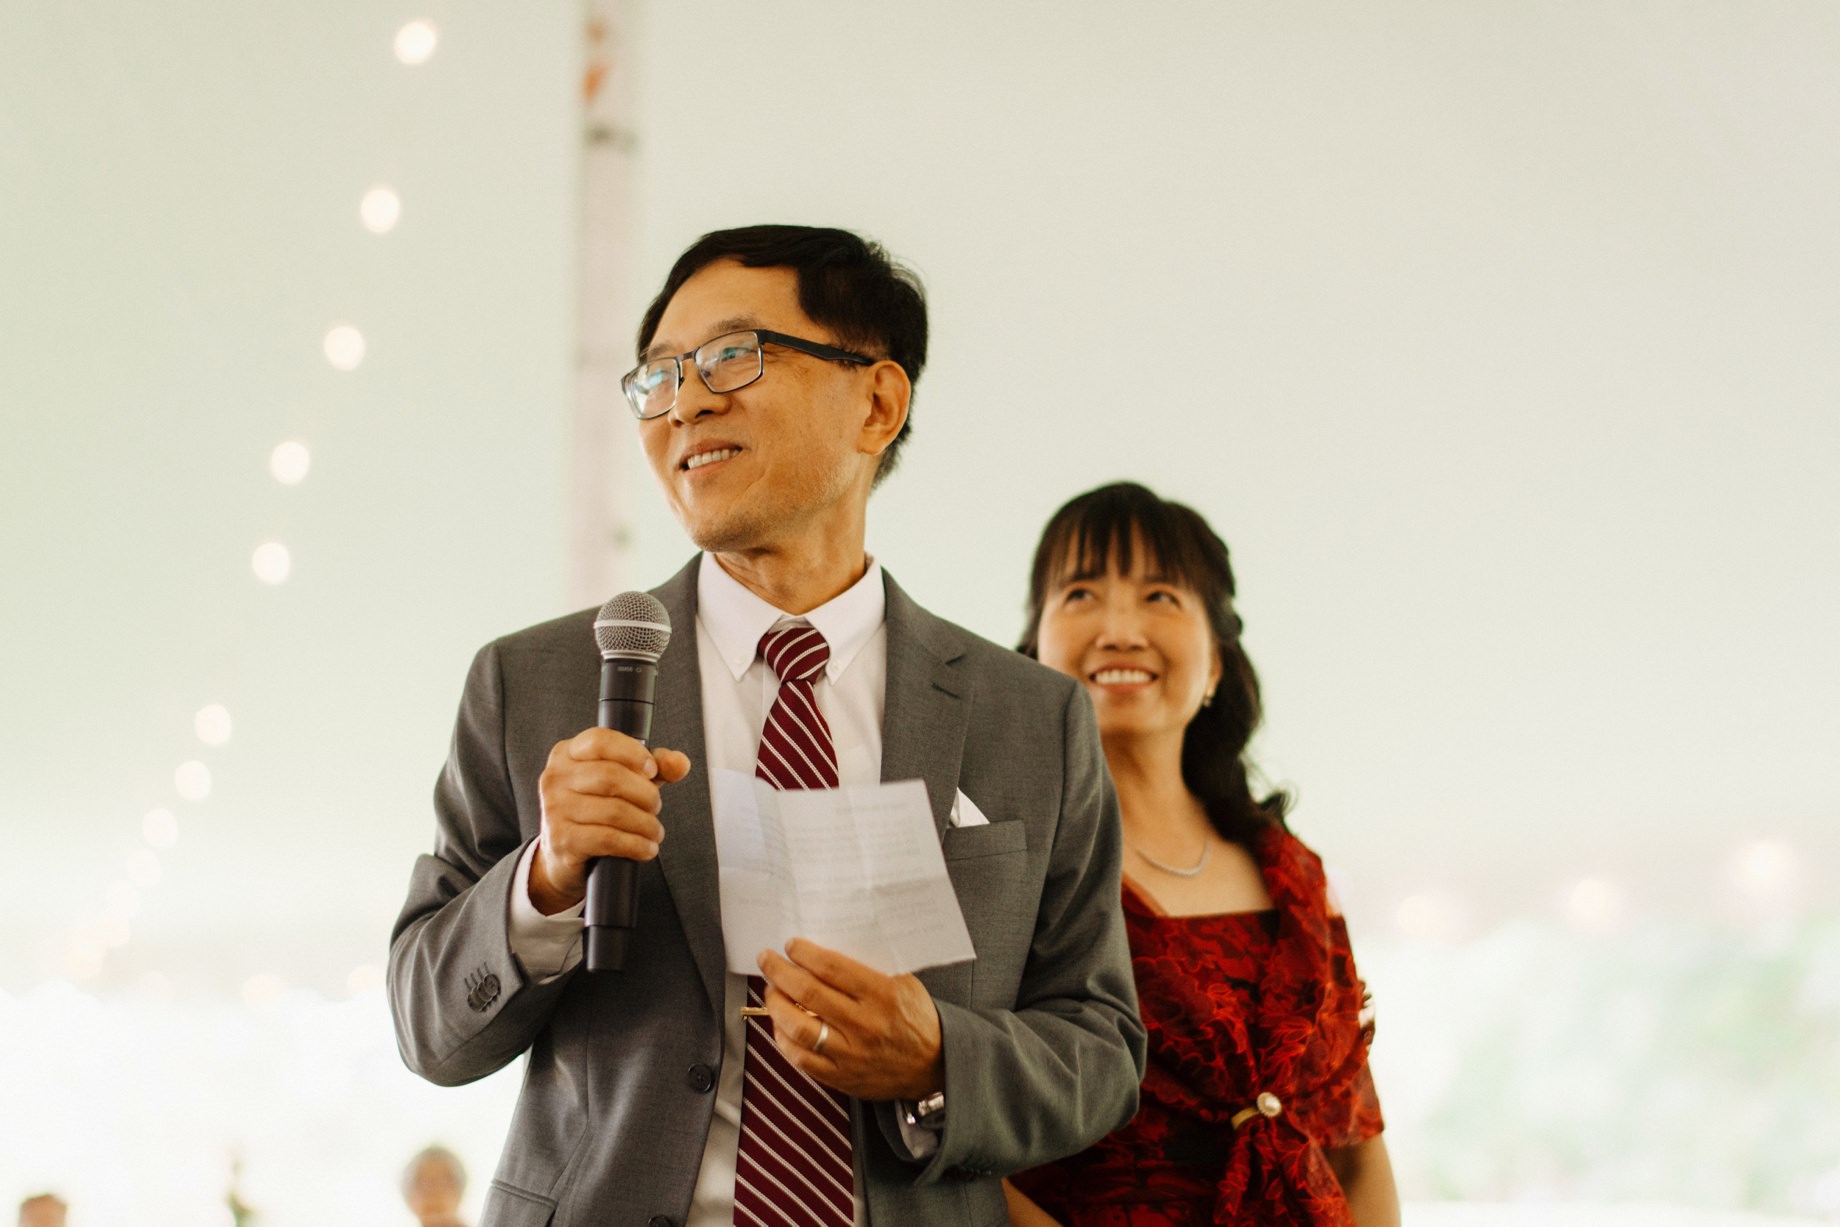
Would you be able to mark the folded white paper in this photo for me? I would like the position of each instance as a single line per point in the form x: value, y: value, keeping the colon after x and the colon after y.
x: 856, y: 869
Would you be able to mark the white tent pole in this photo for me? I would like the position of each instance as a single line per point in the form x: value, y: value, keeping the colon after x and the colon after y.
x: 601, y: 435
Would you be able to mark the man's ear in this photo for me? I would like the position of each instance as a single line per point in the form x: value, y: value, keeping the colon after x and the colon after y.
x: 890, y: 391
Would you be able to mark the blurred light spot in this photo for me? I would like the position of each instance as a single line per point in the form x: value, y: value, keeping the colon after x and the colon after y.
x: 124, y: 900
x: 84, y: 959
x: 264, y: 990
x: 344, y: 346
x: 271, y: 562
x: 363, y: 978
x: 1429, y: 916
x: 143, y: 868
x: 415, y: 42
x: 193, y: 780
x: 159, y: 828
x: 289, y: 462
x: 1595, y: 905
x: 1765, y: 868
x: 380, y: 209
x: 212, y: 724
x: 155, y: 986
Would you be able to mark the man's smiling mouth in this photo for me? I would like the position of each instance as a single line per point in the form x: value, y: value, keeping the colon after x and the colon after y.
x: 710, y: 457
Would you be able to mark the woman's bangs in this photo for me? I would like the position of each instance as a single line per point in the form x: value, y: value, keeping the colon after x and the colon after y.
x: 1106, y: 535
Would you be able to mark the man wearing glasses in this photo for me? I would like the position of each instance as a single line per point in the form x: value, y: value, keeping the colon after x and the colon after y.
x: 776, y: 370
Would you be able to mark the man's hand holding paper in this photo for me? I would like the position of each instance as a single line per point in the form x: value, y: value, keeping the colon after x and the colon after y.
x: 881, y: 1033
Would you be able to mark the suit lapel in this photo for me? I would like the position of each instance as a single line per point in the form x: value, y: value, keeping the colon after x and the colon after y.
x: 923, y: 735
x: 688, y: 857
x: 927, y: 704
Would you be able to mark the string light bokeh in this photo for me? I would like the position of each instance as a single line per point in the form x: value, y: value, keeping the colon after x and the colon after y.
x: 173, y: 978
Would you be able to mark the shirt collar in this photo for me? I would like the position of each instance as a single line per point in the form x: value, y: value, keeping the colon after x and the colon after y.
x: 736, y: 618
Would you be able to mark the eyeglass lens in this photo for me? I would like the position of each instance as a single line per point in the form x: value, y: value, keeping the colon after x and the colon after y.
x: 726, y: 364
x: 730, y: 362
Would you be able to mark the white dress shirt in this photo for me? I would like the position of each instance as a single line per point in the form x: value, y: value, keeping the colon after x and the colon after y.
x: 738, y: 690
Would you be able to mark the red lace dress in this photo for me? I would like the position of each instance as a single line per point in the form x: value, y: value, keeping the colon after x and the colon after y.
x: 1240, y: 1007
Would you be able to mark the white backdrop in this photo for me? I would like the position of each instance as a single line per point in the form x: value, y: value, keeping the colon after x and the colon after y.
x: 1493, y: 338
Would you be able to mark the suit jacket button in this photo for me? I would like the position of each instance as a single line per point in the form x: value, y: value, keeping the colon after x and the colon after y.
x: 484, y: 994
x: 701, y: 1078
x: 659, y: 1220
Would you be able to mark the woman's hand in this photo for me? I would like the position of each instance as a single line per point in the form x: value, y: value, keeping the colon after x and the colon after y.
x: 1366, y: 1175
x: 1025, y: 1213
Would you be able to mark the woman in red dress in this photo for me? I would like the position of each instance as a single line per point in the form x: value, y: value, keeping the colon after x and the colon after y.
x: 1257, y: 1105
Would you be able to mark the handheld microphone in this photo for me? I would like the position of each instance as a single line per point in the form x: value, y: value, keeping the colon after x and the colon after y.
x: 631, y: 631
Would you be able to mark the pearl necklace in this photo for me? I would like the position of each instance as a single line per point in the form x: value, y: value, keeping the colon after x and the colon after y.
x: 1177, y: 871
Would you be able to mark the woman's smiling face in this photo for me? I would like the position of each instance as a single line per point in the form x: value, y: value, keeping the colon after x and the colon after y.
x: 1138, y: 641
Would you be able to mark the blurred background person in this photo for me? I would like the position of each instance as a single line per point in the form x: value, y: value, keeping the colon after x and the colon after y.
x: 432, y: 1185
x: 1257, y: 1105
x: 43, y: 1210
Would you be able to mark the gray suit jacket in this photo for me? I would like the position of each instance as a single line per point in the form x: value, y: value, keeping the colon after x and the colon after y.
x: 1043, y: 1046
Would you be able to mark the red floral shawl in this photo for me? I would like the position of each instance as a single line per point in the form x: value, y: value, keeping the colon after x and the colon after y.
x: 1237, y: 1006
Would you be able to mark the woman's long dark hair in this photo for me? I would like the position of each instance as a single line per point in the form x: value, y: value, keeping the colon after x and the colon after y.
x: 1097, y: 532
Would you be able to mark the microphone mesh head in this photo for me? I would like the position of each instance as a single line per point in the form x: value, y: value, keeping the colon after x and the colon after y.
x: 633, y: 625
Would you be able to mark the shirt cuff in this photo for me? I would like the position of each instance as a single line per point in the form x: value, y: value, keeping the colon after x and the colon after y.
x: 921, y: 1141
x: 546, y: 947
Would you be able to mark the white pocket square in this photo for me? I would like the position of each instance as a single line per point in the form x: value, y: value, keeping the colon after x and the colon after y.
x: 965, y: 812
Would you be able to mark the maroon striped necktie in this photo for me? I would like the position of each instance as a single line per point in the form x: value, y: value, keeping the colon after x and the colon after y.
x: 792, y: 1168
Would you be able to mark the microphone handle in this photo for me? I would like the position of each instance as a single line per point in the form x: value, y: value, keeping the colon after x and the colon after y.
x: 612, y: 911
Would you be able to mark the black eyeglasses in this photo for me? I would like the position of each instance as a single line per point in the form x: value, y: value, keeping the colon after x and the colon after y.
x: 730, y: 362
